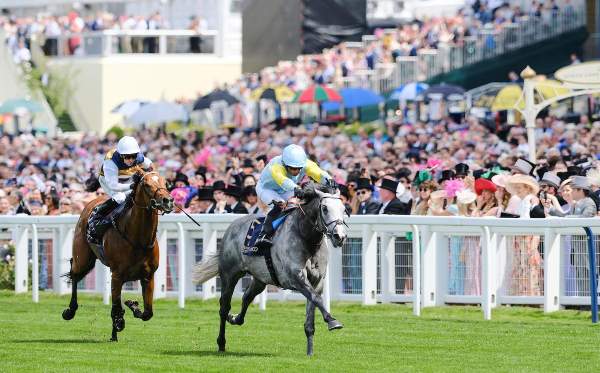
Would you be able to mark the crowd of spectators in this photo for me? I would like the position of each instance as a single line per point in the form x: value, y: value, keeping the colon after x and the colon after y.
x: 51, y: 27
x: 330, y: 66
x: 436, y: 168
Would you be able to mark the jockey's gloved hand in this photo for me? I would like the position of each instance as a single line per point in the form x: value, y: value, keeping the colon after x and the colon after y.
x: 298, y: 192
x: 136, y: 179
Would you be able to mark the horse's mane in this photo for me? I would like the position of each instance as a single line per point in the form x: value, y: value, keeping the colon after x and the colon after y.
x: 311, y: 187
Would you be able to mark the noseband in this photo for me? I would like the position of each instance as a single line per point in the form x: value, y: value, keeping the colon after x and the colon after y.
x: 153, y: 205
x: 321, y: 225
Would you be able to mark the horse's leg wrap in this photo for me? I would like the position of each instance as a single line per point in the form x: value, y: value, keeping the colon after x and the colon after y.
x: 117, y: 313
x: 134, y: 306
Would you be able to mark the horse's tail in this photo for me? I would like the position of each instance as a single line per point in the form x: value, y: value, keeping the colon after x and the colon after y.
x: 206, y: 269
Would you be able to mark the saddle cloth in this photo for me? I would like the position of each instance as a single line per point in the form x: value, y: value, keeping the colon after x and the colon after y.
x: 254, y: 230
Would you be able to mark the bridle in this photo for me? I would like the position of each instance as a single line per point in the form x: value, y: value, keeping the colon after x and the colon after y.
x: 153, y: 204
x: 321, y: 225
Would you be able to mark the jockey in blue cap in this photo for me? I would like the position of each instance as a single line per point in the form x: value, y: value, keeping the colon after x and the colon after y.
x: 116, y: 178
x: 279, y: 182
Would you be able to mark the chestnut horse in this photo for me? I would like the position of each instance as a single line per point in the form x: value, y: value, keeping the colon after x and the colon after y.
x: 131, y: 251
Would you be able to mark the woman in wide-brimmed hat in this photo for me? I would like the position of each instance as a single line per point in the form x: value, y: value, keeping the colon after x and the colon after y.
x: 526, y: 260
x: 526, y: 188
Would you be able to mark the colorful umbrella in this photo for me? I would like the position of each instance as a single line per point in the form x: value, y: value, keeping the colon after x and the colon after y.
x: 354, y: 98
x: 408, y: 92
x: 507, y: 98
x: 274, y: 93
x: 317, y: 93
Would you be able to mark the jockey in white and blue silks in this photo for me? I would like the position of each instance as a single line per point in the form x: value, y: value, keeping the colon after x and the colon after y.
x: 278, y: 183
x: 116, y: 179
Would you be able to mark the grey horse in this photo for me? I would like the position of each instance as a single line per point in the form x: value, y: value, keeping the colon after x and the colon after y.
x: 299, y: 258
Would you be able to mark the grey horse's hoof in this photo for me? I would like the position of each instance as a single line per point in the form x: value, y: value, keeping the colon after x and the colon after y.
x: 68, y: 314
x: 334, y: 324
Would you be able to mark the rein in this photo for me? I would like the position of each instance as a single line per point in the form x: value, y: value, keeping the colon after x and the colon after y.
x: 152, y: 207
x: 321, y: 226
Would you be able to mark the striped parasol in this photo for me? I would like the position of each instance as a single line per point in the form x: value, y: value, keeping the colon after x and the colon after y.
x: 317, y: 93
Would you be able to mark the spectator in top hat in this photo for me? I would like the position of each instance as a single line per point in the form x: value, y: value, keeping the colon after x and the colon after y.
x: 220, y: 203
x: 367, y: 205
x: 523, y: 167
x: 550, y: 183
x: 202, y: 201
x: 461, y: 170
x: 247, y: 167
x: 181, y: 181
x: 250, y: 199
x: 233, y: 194
x: 584, y: 206
x: 390, y: 204
x: 446, y: 175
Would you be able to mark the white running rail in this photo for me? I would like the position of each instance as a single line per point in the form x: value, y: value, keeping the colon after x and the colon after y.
x: 426, y: 261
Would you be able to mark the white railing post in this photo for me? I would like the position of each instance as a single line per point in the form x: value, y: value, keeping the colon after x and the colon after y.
x: 160, y: 276
x: 106, y: 40
x: 35, y: 265
x: 21, y: 263
x: 334, y: 272
x: 429, y: 265
x: 104, y: 283
x: 262, y: 299
x: 369, y: 266
x: 162, y: 44
x: 501, y: 258
x: 209, y: 243
x: 416, y: 270
x: 181, y: 260
x: 494, y: 266
x: 326, y: 291
x: 387, y: 259
x: 64, y: 252
x: 551, y: 270
x: 486, y: 273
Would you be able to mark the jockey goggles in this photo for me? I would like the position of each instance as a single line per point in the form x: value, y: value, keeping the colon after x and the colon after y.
x: 128, y: 156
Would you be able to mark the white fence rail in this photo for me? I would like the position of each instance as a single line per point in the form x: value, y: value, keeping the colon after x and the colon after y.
x: 427, y: 261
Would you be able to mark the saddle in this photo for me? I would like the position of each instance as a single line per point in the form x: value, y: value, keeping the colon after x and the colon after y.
x: 102, y: 224
x: 254, y: 229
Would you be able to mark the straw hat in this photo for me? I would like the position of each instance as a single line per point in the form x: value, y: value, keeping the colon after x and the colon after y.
x: 523, y: 180
x: 465, y: 197
x: 438, y: 194
x: 500, y: 180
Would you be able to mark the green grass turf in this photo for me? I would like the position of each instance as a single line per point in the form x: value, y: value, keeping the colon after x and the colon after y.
x: 33, y: 337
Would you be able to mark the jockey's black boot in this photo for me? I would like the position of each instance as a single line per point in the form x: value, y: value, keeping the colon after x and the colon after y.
x: 98, y: 223
x: 264, y: 241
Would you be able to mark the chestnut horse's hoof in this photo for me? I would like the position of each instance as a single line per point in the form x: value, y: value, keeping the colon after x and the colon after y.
x: 68, y: 314
x: 119, y: 324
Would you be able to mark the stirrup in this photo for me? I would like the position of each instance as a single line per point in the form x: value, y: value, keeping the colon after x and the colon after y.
x: 264, y: 243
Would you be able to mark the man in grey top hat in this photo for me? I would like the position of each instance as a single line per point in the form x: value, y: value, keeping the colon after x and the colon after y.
x: 522, y: 166
x: 584, y: 206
